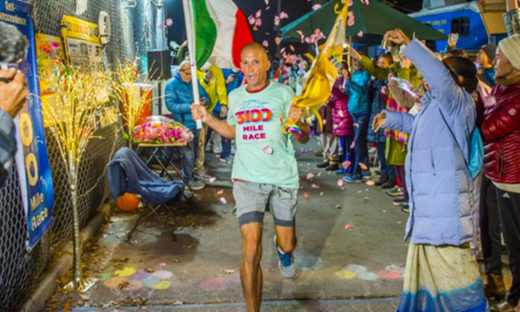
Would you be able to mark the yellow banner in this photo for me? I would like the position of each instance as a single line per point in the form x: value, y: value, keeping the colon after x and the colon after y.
x: 76, y: 28
x: 50, y: 61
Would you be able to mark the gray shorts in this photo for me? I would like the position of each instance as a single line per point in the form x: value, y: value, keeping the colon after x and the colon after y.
x: 252, y: 199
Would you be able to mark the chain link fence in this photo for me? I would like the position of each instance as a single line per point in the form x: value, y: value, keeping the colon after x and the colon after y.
x: 19, y: 269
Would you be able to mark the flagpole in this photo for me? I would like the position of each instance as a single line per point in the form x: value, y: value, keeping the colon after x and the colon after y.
x: 188, y: 19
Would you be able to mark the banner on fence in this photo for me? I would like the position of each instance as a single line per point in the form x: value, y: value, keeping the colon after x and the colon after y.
x: 31, y: 158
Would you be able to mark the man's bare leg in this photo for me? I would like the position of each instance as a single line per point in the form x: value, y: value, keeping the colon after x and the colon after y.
x: 250, y: 270
x: 285, y: 238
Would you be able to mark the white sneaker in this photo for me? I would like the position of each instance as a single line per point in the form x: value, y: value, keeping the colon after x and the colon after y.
x: 196, y: 185
x: 202, y: 174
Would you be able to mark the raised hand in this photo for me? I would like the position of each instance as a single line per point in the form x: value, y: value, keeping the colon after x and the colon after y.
x: 397, y: 36
x: 199, y: 112
x: 378, y: 122
x: 13, y: 91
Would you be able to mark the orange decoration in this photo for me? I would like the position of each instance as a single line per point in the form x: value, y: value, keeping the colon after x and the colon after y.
x: 127, y: 202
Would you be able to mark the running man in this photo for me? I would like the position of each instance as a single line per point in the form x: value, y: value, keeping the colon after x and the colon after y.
x: 264, y: 169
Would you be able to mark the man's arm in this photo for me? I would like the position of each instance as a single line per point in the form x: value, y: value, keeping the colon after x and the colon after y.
x: 221, y: 126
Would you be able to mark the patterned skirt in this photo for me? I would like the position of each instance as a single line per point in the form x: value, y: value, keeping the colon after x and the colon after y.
x: 441, y: 278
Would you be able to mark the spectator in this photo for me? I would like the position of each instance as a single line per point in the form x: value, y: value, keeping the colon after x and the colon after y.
x: 341, y: 120
x: 501, y: 133
x: 212, y: 80
x: 359, y: 109
x: 178, y: 96
x: 485, y: 57
x: 387, y: 178
x: 440, y: 185
x: 329, y: 142
x: 396, y: 141
x: 13, y: 91
x: 234, y: 80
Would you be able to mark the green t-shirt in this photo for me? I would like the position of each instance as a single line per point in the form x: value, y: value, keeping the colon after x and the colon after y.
x: 264, y: 154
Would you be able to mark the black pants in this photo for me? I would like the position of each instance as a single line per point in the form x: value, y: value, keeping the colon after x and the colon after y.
x: 509, y: 210
x: 490, y: 228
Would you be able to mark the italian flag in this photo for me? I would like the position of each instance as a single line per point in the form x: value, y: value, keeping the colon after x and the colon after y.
x: 221, y: 31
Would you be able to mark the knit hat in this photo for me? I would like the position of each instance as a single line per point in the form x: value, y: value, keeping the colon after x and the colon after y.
x: 510, y: 46
x: 490, y: 50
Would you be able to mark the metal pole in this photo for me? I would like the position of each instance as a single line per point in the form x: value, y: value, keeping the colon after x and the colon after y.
x: 188, y: 18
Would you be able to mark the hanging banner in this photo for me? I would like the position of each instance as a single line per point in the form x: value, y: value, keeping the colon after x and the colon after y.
x: 83, y: 50
x: 82, y: 44
x: 31, y: 158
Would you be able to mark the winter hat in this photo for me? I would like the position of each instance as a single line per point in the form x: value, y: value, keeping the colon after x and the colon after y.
x: 510, y: 46
x: 491, y: 50
x: 461, y: 66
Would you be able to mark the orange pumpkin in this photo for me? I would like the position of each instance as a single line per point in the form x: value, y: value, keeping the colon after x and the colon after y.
x: 127, y: 202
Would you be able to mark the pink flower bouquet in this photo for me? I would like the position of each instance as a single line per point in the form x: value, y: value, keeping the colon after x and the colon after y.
x: 161, y: 133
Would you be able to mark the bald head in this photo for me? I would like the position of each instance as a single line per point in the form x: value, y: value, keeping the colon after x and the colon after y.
x: 254, y: 64
x: 254, y: 46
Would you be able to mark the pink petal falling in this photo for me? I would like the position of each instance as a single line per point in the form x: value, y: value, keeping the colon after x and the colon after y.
x: 346, y: 164
x: 258, y: 13
x: 223, y: 200
x: 360, y: 33
x: 351, y: 19
x: 283, y: 15
x: 349, y: 226
x: 276, y: 20
x: 317, y: 6
x: 315, y: 186
x: 306, y: 195
x: 340, y: 182
x: 310, y: 176
x: 362, y: 166
x: 169, y: 22
x: 277, y: 40
x: 265, y: 43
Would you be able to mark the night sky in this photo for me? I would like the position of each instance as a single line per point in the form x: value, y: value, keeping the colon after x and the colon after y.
x: 293, y: 8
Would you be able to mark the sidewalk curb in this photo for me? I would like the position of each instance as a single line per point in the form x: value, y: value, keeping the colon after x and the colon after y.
x: 47, y: 286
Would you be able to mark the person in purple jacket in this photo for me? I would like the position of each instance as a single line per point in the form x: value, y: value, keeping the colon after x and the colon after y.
x: 342, y: 126
x: 440, y: 274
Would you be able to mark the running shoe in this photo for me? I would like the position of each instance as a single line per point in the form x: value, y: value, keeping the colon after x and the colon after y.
x: 285, y: 262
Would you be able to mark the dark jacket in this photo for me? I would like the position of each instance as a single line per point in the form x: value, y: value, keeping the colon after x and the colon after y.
x: 501, y: 133
x: 378, y: 105
x: 127, y: 173
x: 7, y: 145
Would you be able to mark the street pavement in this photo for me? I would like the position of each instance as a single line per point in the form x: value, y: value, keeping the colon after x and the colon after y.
x: 350, y: 253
